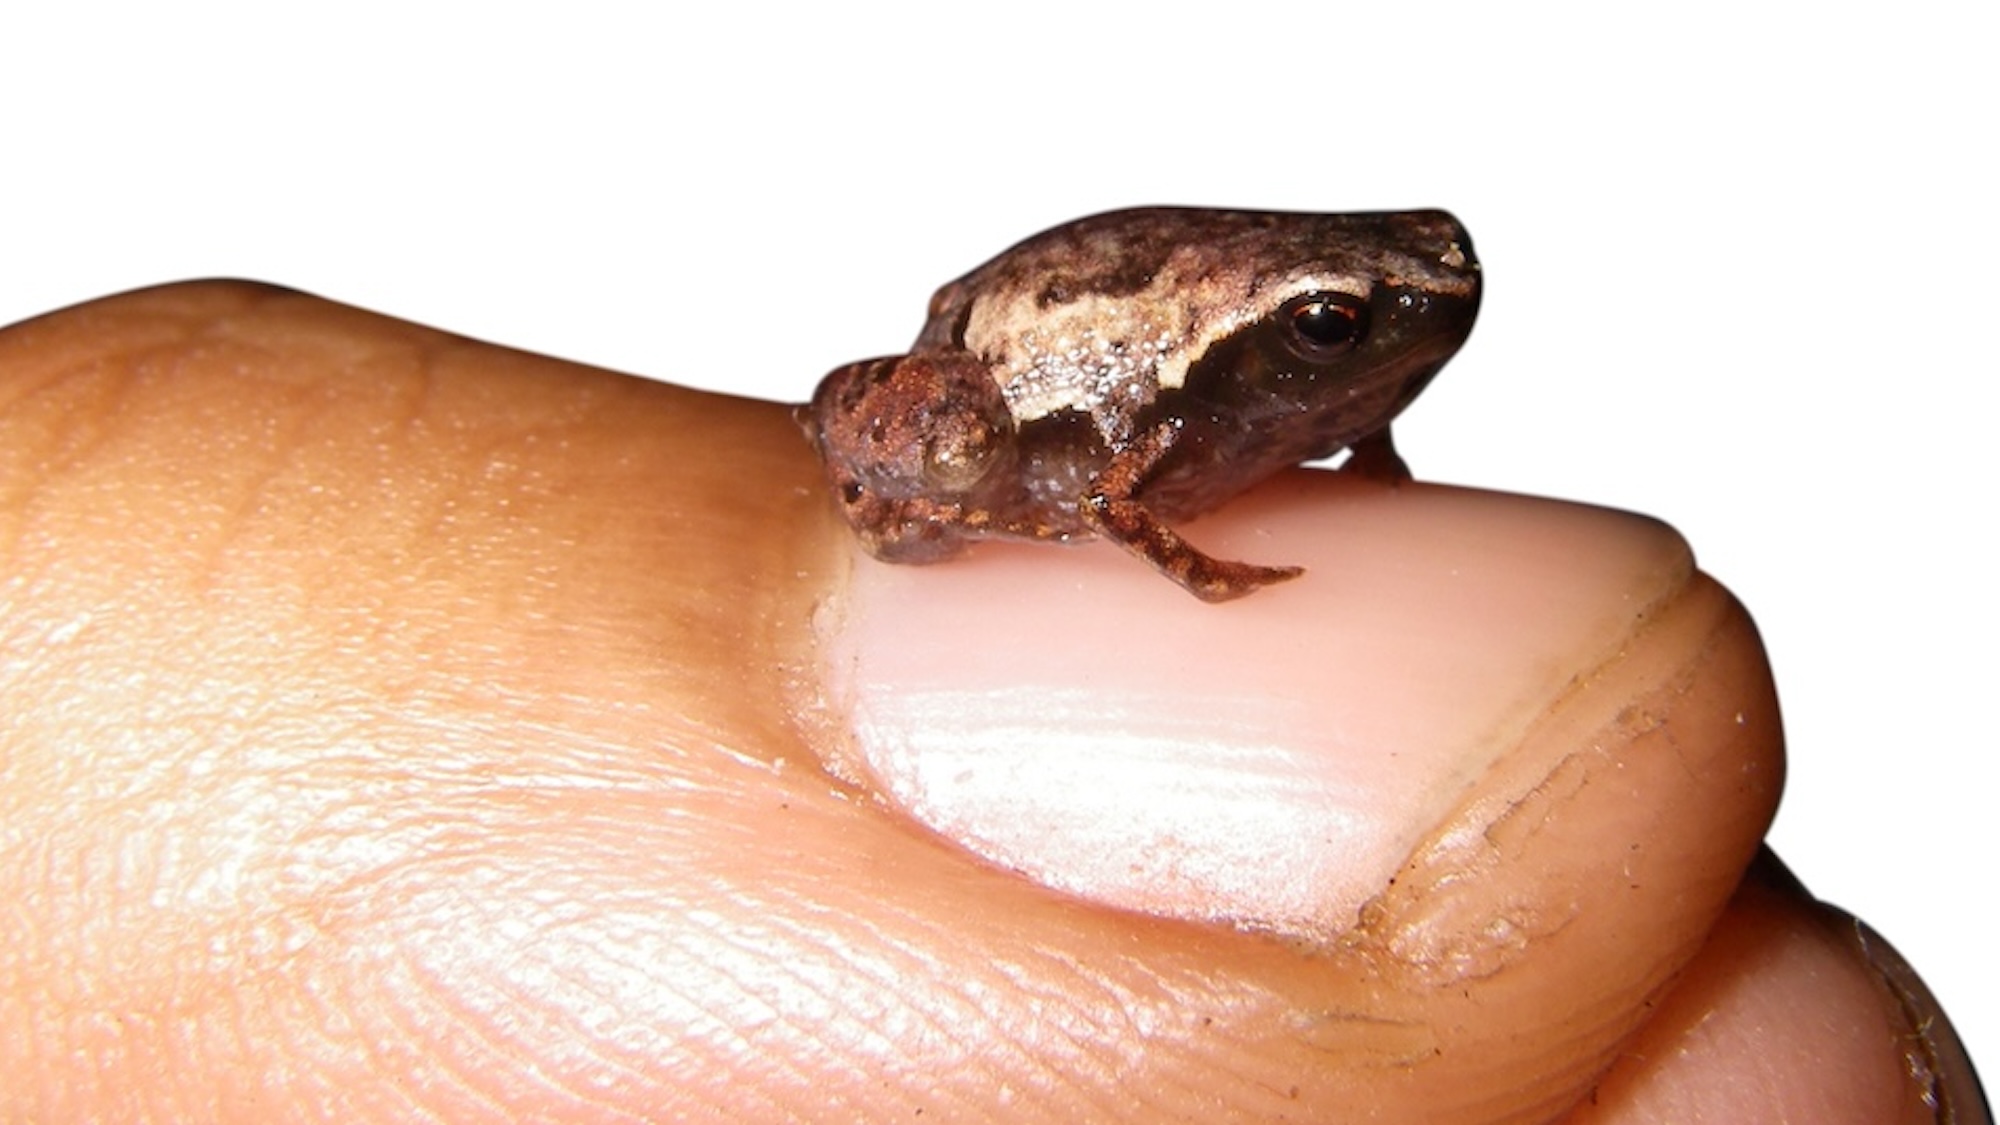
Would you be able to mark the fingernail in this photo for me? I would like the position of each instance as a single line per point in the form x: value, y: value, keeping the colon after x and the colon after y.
x: 1934, y: 1057
x: 1065, y: 712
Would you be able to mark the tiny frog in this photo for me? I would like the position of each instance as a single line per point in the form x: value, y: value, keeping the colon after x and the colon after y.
x: 1129, y: 370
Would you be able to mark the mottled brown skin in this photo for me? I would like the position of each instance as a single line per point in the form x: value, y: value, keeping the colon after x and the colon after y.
x: 1138, y: 367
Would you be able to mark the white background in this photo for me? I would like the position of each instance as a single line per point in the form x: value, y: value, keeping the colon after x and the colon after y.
x: 1739, y: 265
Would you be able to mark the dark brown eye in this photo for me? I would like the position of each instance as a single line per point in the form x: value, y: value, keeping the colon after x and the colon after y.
x: 1323, y: 325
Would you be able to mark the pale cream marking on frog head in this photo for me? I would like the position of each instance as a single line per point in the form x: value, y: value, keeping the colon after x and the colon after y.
x: 1111, y: 355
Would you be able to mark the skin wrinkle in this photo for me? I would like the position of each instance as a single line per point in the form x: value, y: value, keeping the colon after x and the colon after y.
x: 802, y: 996
x: 469, y: 853
x: 1517, y: 824
x: 880, y: 981
x: 454, y: 1029
x: 412, y: 1013
x: 945, y: 1013
x: 1521, y: 822
x: 518, y: 992
x: 71, y: 399
x: 1376, y: 1039
x: 342, y: 1030
x: 253, y: 462
x: 71, y: 434
x: 942, y: 1023
x: 241, y: 494
x: 435, y: 761
x: 1077, y: 1026
x: 1037, y: 1032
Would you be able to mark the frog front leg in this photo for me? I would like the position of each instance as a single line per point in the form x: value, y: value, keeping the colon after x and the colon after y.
x: 1112, y: 508
x: 904, y: 439
x: 1375, y: 458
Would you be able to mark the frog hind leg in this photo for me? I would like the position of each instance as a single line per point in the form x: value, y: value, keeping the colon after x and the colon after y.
x: 903, y: 438
x: 1113, y: 510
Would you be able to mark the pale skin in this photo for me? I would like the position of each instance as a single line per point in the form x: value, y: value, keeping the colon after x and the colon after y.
x: 399, y: 727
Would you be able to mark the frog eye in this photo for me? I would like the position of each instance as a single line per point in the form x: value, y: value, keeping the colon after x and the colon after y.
x: 1320, y: 326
